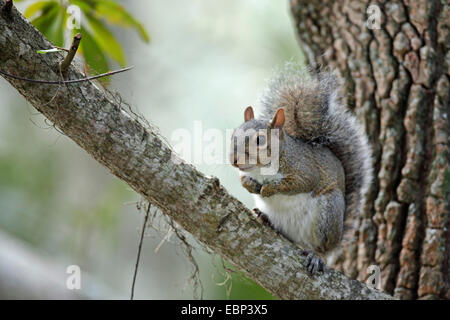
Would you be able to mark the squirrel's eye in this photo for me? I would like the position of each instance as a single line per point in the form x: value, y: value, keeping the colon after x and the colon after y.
x: 260, y: 140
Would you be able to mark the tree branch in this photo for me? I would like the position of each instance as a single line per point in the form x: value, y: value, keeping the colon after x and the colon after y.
x: 136, y: 154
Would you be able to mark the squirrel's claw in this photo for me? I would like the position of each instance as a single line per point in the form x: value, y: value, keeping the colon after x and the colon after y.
x: 313, y: 263
x: 263, y: 217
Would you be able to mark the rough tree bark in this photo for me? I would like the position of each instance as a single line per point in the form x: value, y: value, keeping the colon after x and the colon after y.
x: 136, y: 154
x: 398, y: 83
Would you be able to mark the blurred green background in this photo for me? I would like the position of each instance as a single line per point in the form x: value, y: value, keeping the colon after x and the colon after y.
x: 206, y: 61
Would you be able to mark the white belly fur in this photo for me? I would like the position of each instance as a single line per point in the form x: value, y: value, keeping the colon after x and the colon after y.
x: 292, y: 215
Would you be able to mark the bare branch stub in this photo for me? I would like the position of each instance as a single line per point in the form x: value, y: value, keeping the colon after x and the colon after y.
x: 72, y: 51
x: 7, y: 7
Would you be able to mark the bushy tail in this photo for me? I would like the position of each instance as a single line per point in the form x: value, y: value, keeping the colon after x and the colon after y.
x: 316, y: 113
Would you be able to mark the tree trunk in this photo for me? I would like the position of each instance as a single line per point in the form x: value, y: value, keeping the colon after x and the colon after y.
x: 397, y: 79
x: 135, y: 153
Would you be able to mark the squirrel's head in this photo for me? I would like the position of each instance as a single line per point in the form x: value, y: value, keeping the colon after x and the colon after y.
x: 252, y: 143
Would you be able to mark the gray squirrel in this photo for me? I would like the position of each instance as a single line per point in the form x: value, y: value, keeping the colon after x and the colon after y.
x: 324, y: 160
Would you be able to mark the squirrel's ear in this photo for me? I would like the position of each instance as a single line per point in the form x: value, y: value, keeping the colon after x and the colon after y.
x: 248, y: 114
x: 278, y: 119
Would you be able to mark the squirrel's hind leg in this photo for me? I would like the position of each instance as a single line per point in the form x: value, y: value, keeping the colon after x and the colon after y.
x: 326, y: 230
x: 313, y: 263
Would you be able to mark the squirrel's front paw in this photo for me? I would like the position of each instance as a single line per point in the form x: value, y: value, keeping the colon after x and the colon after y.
x: 250, y: 184
x: 267, y: 191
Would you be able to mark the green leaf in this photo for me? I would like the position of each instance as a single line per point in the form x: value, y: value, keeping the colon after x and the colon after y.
x: 85, y: 6
x: 92, y: 53
x: 56, y: 30
x: 114, y: 13
x: 50, y: 17
x: 49, y: 13
x: 52, y: 22
x: 35, y: 7
x: 48, y: 50
x: 106, y: 40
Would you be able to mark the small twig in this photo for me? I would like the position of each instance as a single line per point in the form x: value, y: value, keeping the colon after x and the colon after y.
x: 166, y: 238
x: 72, y: 51
x: 60, y: 48
x: 7, y: 7
x: 65, y: 81
x: 139, y: 250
